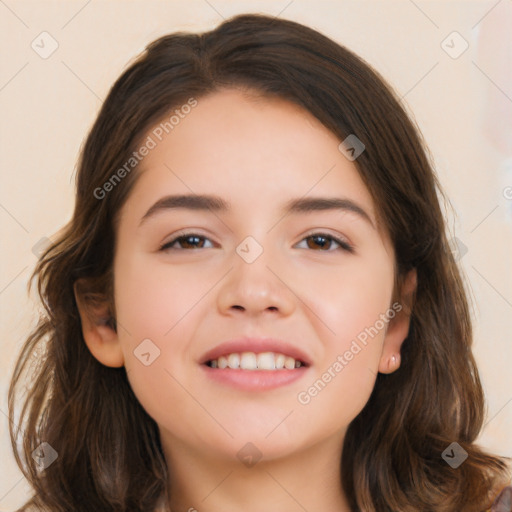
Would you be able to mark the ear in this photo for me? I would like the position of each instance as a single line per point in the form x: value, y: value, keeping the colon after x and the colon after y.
x: 97, y: 326
x: 398, y: 327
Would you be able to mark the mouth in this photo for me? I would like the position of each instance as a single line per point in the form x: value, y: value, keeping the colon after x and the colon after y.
x: 255, y: 364
x: 268, y: 361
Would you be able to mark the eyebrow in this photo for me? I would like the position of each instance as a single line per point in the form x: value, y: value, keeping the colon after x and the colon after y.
x: 217, y: 204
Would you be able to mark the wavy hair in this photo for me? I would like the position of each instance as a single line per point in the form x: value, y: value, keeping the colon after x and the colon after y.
x: 109, y: 453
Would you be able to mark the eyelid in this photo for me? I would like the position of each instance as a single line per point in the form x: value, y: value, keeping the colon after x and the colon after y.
x: 341, y: 240
x: 338, y: 238
x: 182, y: 234
x: 327, y: 232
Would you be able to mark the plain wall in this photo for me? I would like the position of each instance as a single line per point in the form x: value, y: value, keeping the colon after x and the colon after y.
x: 462, y: 105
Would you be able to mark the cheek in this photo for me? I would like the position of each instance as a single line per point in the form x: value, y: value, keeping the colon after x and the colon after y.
x: 350, y: 298
x: 160, y: 303
x: 336, y: 396
x: 352, y: 303
x: 156, y: 303
x: 152, y: 298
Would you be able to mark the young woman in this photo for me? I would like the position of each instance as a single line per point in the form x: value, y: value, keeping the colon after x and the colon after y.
x: 254, y: 305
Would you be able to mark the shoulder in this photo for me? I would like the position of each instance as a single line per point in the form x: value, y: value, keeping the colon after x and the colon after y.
x: 503, y: 502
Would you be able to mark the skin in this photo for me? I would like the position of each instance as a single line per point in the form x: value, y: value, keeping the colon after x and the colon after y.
x: 255, y: 153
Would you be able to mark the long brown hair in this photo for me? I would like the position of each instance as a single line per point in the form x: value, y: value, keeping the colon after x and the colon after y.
x: 109, y: 452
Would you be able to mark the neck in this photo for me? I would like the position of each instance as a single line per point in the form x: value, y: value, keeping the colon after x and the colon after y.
x: 304, y: 481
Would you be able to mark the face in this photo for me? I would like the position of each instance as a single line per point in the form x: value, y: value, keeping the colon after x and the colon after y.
x: 250, y: 274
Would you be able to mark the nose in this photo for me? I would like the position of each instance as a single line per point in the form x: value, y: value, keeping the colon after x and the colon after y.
x: 252, y: 288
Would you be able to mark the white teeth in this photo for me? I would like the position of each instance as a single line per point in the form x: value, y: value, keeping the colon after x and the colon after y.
x: 280, y: 358
x: 253, y: 361
x: 289, y: 363
x: 234, y: 361
x: 266, y: 361
x: 248, y: 361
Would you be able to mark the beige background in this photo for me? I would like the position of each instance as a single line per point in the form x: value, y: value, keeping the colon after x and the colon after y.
x: 463, y: 106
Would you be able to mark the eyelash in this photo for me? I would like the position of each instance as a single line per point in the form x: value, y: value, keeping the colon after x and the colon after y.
x: 343, y: 244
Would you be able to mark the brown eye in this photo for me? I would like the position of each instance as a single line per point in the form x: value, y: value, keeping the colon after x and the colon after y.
x: 324, y: 243
x: 316, y: 241
x: 319, y: 241
x: 187, y: 241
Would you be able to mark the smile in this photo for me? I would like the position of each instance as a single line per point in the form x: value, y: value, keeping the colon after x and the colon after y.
x: 255, y: 361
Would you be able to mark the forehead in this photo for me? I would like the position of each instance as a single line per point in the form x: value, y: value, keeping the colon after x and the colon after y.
x: 254, y: 151
x: 231, y: 132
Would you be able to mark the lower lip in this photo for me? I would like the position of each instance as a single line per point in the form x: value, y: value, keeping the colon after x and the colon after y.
x: 254, y: 380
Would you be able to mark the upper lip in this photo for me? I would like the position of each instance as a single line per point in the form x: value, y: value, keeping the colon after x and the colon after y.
x: 256, y: 345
